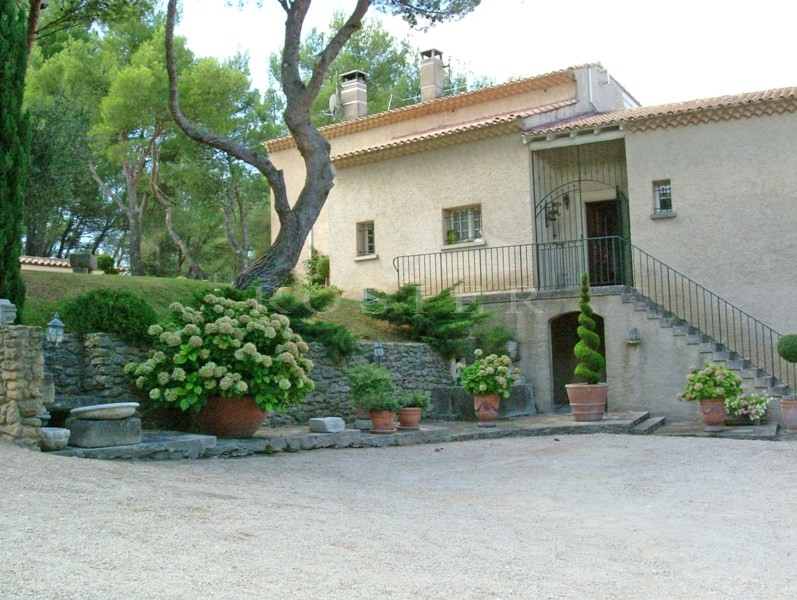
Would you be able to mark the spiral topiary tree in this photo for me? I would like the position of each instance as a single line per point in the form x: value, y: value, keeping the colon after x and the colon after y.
x: 787, y: 347
x: 586, y: 351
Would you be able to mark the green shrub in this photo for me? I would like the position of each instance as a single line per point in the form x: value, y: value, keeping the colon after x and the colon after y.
x: 317, y: 268
x: 493, y: 340
x: 369, y: 382
x: 105, y: 263
x: 415, y: 399
x: 787, y: 347
x: 380, y: 404
x: 122, y: 314
x: 586, y: 351
x: 440, y: 321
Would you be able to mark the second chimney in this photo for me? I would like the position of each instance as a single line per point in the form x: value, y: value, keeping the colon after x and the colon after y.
x: 354, y: 95
x: 432, y: 79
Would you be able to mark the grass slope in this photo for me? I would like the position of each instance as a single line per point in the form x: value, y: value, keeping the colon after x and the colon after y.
x: 46, y: 292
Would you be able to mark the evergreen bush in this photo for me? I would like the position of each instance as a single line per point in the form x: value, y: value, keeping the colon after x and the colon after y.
x: 122, y: 314
x: 586, y: 351
x: 105, y: 263
x: 369, y: 384
x: 787, y: 347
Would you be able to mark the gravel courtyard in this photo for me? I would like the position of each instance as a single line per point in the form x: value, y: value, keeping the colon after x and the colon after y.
x: 590, y: 516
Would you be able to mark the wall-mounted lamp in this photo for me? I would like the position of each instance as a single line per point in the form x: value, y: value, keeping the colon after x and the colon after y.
x: 633, y: 338
x: 552, y: 212
x: 378, y: 353
x: 55, y: 331
x: 566, y: 200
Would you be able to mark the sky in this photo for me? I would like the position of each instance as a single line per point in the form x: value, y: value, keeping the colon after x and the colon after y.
x: 659, y: 51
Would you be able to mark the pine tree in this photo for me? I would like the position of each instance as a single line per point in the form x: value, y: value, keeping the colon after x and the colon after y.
x: 587, y: 350
x: 14, y: 149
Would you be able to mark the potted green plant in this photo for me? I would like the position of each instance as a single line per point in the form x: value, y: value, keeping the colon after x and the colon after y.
x: 451, y: 234
x: 712, y: 386
x: 367, y: 382
x: 787, y: 348
x: 227, y: 362
x: 412, y: 406
x: 488, y: 378
x: 587, y: 399
x: 382, y: 409
x: 746, y: 408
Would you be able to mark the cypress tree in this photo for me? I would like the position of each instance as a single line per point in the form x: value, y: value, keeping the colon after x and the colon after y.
x: 14, y: 148
x: 586, y: 351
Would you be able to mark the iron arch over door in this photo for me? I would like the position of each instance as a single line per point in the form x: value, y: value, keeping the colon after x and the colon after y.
x: 564, y: 336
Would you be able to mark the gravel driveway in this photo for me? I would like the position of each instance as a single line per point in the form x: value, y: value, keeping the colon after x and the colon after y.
x: 591, y: 516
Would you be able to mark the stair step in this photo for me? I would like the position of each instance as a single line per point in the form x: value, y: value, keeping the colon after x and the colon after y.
x: 780, y: 389
x: 750, y: 373
x: 680, y: 329
x: 641, y: 305
x: 736, y: 364
x: 721, y: 356
x: 708, y: 347
x: 694, y: 338
x: 655, y: 314
x: 764, y: 382
x: 648, y: 426
x: 667, y: 322
x: 629, y: 298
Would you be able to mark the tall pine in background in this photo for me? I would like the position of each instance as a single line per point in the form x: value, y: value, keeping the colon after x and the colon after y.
x: 14, y: 148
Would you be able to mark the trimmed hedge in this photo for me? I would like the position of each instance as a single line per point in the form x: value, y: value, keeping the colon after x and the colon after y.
x: 122, y: 314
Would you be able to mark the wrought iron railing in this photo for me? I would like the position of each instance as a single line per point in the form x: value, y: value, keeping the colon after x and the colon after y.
x: 609, y: 261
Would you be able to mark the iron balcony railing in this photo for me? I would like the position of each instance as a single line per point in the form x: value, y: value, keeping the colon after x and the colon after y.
x: 609, y: 261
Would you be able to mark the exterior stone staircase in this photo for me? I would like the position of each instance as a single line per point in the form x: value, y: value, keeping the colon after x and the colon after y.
x: 708, y: 349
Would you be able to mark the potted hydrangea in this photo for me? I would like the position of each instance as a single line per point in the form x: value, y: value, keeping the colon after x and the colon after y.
x: 227, y: 362
x: 488, y: 378
x: 711, y: 385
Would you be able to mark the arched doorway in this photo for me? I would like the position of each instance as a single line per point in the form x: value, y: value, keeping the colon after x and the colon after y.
x: 564, y: 336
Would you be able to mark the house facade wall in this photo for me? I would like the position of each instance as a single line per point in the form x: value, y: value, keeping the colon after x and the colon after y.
x: 406, y: 196
x: 735, y: 205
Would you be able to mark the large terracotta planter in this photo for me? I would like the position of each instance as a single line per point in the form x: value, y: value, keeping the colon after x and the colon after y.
x: 712, y: 412
x: 788, y: 409
x: 587, y: 400
x: 410, y: 417
x: 383, y: 421
x: 486, y: 408
x: 229, y: 417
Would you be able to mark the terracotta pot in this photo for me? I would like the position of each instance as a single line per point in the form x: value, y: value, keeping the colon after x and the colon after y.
x: 587, y: 400
x: 383, y: 421
x: 712, y: 412
x: 788, y: 409
x: 486, y: 408
x: 410, y: 417
x: 229, y: 417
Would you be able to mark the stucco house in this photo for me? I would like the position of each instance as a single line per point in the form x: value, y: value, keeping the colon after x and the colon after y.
x: 683, y: 215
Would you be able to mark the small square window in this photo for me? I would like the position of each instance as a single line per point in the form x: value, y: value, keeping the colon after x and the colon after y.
x: 462, y: 224
x: 365, y: 238
x: 662, y: 197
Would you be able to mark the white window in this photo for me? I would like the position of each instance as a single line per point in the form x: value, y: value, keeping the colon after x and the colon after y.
x: 662, y: 197
x: 365, y: 238
x: 463, y: 224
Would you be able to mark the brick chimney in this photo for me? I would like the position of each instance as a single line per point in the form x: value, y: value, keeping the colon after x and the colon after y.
x: 354, y: 95
x: 432, y: 78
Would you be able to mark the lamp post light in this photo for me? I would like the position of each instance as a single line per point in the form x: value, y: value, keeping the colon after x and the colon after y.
x: 378, y: 353
x: 55, y: 331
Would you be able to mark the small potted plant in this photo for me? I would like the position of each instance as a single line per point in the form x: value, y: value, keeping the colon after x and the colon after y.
x: 452, y: 236
x: 488, y: 378
x: 587, y: 399
x: 412, y: 406
x: 226, y: 362
x: 367, y: 382
x: 747, y: 408
x: 382, y: 409
x: 787, y: 348
x: 712, y: 386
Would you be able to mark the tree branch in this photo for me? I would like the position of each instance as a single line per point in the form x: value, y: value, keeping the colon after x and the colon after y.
x: 107, y: 191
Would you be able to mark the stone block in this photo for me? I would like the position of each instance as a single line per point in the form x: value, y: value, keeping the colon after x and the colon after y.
x: 327, y: 424
x: 100, y: 433
x: 54, y: 438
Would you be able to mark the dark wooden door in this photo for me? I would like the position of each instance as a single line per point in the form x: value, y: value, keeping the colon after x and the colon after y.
x: 604, y: 251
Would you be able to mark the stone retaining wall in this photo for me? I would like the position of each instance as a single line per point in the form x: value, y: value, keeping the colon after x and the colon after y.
x: 21, y: 379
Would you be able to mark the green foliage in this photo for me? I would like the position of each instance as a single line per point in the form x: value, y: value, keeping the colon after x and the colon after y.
x: 440, y: 321
x: 381, y: 404
x: 317, y: 267
x: 122, y: 314
x: 493, y: 340
x: 14, y: 150
x: 586, y: 350
x: 369, y: 383
x: 337, y: 340
x: 711, y: 381
x: 427, y: 12
x: 105, y: 263
x: 224, y: 348
x: 787, y: 347
x: 415, y: 399
x: 488, y: 375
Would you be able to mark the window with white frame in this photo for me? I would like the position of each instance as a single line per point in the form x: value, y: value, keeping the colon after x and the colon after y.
x: 662, y: 197
x: 463, y: 224
x: 365, y: 238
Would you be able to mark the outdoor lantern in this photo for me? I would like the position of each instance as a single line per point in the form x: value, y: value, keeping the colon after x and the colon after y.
x: 55, y: 331
x: 633, y: 338
x: 379, y: 352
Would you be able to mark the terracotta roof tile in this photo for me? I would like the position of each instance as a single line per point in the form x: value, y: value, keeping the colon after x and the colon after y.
x: 719, y: 108
x: 43, y: 261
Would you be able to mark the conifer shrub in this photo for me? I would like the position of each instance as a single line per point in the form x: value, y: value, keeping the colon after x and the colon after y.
x: 586, y: 350
x: 119, y: 313
x: 787, y: 347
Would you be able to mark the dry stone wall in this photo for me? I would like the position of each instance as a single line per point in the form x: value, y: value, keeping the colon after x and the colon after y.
x: 21, y: 379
